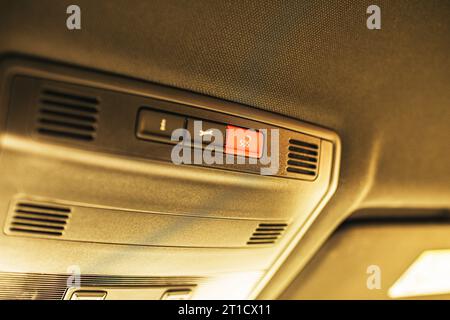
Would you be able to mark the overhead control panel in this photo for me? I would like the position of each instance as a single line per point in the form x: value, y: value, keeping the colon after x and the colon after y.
x: 96, y: 165
x: 132, y: 125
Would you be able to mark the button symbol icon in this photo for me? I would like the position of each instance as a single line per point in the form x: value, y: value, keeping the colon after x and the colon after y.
x: 205, y: 133
x: 245, y: 141
x: 162, y: 126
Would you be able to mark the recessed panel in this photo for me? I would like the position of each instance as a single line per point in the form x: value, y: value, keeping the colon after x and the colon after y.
x: 88, y: 177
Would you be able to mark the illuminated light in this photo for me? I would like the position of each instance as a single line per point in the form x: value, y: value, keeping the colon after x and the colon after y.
x: 428, y: 275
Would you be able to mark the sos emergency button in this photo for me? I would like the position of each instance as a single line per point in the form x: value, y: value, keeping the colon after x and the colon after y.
x: 244, y: 142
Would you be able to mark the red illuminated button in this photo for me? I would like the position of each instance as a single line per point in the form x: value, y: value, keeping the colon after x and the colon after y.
x: 244, y: 142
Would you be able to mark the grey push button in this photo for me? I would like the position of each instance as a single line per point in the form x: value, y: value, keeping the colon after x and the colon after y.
x: 153, y: 124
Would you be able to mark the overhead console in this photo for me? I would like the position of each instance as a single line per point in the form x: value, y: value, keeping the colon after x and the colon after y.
x: 138, y: 126
x: 125, y: 178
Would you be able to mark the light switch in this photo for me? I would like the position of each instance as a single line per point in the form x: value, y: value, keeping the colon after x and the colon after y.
x: 161, y: 124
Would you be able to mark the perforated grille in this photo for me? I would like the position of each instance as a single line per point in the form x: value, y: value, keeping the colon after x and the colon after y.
x: 41, y: 219
x: 66, y: 115
x: 267, y: 233
x: 302, y: 158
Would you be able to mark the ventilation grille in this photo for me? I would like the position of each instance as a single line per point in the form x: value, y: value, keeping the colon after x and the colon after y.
x: 302, y: 158
x: 38, y: 286
x: 67, y: 115
x: 39, y: 219
x: 267, y: 233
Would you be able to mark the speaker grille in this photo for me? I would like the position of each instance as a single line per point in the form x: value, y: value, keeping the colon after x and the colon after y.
x: 66, y: 115
x: 40, y: 219
x: 36, y: 286
x: 302, y: 158
x: 267, y: 233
